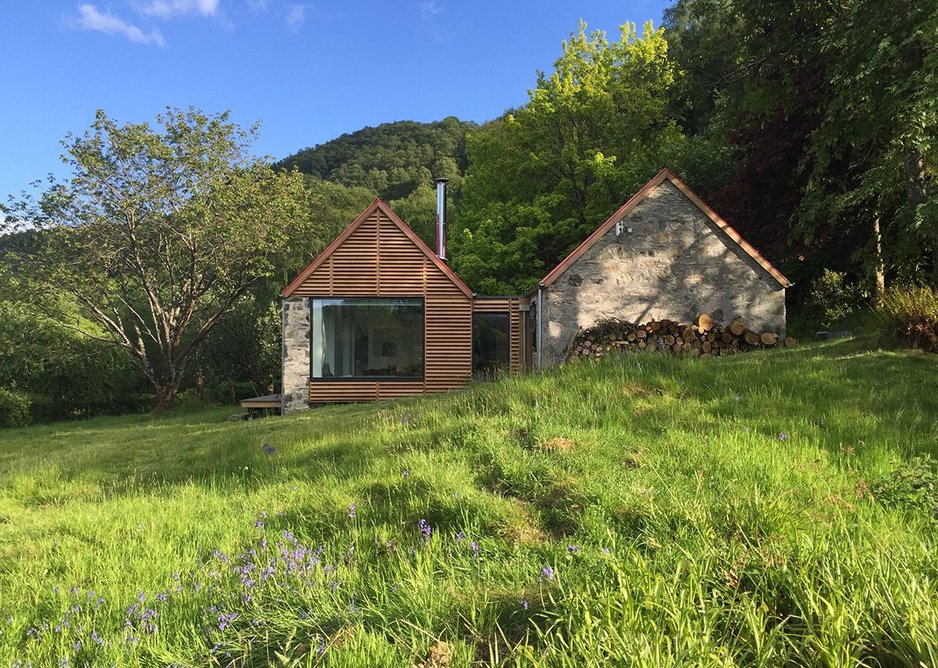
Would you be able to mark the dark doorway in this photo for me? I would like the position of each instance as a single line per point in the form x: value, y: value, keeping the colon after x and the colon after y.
x: 491, y: 344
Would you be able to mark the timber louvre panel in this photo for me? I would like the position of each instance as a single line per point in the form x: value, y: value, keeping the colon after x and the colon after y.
x: 511, y: 306
x: 378, y: 259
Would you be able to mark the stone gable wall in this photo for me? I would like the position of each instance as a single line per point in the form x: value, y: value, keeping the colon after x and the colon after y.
x: 296, y: 347
x: 674, y: 263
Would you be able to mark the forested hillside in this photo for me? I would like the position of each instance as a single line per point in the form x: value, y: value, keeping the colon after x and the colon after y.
x: 392, y: 159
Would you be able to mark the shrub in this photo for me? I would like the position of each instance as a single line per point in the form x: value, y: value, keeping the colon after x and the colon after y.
x: 912, y: 486
x: 909, y: 317
x: 14, y: 409
x: 833, y: 298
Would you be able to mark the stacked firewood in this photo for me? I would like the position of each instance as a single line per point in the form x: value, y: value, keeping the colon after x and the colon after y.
x: 701, y: 339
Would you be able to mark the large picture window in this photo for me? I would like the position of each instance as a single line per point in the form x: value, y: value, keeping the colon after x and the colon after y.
x: 367, y: 338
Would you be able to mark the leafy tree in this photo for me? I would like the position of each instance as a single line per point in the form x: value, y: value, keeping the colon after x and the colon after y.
x: 875, y: 150
x: 544, y: 176
x: 160, y: 232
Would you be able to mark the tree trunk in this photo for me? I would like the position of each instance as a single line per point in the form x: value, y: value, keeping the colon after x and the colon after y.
x: 879, y: 272
x: 166, y: 394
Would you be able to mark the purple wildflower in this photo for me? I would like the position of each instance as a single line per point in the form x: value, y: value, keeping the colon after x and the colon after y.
x: 547, y: 573
x: 573, y: 549
x: 225, y: 619
x: 474, y: 546
x: 460, y: 536
x: 351, y: 511
x: 268, y: 448
x: 425, y: 529
x: 783, y: 436
x: 524, y: 603
x: 605, y: 550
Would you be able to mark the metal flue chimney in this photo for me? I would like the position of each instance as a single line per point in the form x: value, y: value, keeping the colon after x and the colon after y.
x: 441, y: 218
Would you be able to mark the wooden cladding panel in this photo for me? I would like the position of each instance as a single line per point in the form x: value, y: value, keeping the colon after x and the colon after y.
x: 447, y: 335
x: 357, y: 391
x: 379, y: 260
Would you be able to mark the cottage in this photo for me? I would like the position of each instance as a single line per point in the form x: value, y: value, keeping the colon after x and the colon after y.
x: 664, y: 254
x: 379, y: 315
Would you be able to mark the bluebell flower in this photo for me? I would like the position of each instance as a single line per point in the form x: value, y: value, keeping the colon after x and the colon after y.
x: 352, y: 511
x: 547, y: 573
x: 268, y: 448
x: 425, y: 529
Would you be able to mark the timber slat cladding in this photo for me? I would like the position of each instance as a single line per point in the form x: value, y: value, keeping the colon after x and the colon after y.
x: 379, y: 260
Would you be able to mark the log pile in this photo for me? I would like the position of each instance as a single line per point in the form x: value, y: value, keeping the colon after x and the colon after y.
x: 701, y: 339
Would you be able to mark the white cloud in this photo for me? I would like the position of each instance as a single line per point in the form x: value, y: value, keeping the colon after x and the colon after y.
x: 90, y: 18
x: 295, y: 17
x: 430, y: 8
x: 166, y: 9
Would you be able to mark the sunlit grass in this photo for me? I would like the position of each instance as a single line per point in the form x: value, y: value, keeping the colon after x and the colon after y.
x: 646, y: 510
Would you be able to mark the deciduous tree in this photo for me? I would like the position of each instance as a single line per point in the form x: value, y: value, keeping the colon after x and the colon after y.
x: 160, y: 231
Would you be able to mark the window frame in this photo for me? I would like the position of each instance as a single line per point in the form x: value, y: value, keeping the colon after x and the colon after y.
x: 368, y: 379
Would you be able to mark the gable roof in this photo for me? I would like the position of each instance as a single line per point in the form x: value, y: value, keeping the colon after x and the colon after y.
x: 625, y: 209
x: 377, y: 205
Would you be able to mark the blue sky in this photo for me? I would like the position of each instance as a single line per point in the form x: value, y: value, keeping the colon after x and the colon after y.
x: 308, y: 70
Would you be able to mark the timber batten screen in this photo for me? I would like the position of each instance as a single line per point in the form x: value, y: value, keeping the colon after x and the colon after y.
x: 379, y: 257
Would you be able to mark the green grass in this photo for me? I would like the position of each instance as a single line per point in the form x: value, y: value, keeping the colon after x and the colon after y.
x: 647, y: 511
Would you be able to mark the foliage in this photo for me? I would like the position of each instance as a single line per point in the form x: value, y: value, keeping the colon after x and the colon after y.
x: 544, y: 176
x: 874, y: 150
x: 909, y: 317
x: 833, y: 297
x: 64, y: 374
x: 14, y: 409
x: 245, y: 346
x: 913, y: 485
x: 391, y: 160
x: 159, y: 233
x: 542, y: 520
x: 828, y: 108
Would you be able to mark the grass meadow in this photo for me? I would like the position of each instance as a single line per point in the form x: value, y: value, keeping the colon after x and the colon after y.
x: 774, y: 508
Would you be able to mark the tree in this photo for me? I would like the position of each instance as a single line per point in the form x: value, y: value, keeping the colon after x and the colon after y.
x: 875, y: 150
x: 159, y: 233
x: 544, y: 176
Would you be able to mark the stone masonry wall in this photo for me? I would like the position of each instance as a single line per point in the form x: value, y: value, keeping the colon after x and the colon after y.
x: 675, y: 263
x: 296, y: 332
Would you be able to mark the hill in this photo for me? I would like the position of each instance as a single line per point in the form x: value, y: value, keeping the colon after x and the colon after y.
x: 766, y: 509
x: 392, y: 159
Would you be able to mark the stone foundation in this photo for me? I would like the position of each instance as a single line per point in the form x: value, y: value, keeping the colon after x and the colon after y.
x: 296, y: 332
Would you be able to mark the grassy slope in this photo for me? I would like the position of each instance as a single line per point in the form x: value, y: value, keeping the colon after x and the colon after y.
x: 692, y: 512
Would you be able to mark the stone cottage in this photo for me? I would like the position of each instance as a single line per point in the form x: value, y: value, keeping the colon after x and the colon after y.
x: 663, y: 254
